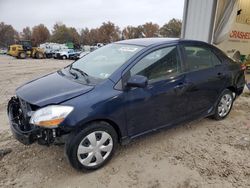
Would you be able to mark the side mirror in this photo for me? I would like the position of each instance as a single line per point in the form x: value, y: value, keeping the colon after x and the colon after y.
x: 137, y: 81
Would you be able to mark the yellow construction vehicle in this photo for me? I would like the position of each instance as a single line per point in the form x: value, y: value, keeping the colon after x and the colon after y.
x: 24, y: 49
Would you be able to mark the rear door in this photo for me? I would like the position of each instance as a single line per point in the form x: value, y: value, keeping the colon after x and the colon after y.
x: 204, y: 74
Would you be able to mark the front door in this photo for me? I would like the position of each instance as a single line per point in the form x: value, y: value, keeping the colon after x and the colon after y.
x: 163, y: 101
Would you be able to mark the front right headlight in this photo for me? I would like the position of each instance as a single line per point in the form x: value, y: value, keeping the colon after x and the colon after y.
x: 50, y: 116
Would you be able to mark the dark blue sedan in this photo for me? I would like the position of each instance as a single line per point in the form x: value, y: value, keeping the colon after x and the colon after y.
x: 124, y: 90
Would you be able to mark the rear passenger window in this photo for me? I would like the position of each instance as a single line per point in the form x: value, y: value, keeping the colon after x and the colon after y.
x: 198, y: 58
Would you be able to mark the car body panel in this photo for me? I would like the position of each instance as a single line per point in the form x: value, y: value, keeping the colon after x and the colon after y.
x: 204, y: 89
x: 51, y: 89
x: 68, y: 53
x: 102, y: 103
x: 158, y: 104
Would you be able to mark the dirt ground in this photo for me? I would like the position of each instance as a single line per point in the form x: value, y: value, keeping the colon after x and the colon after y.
x: 204, y: 153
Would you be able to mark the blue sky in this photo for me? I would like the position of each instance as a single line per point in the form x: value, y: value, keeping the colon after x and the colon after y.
x: 88, y: 13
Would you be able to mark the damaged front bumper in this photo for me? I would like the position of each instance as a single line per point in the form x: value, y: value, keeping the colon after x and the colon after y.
x: 26, y: 138
x: 25, y: 132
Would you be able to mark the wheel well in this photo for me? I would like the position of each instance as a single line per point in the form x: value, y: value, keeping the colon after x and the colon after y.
x: 21, y: 52
x: 234, y: 90
x: 113, y: 124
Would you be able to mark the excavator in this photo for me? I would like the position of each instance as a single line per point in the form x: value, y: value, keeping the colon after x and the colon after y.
x: 24, y: 49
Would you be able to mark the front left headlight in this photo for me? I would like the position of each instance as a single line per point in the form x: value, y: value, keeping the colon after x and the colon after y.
x: 50, y: 116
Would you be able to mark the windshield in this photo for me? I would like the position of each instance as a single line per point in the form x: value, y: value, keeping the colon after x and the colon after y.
x: 102, y: 62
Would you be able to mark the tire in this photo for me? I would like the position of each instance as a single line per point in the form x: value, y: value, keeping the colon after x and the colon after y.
x: 39, y: 55
x: 22, y: 55
x: 48, y: 56
x: 225, y: 102
x: 64, y: 57
x: 79, y: 147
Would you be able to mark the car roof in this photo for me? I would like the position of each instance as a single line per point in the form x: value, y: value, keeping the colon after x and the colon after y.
x: 146, y: 41
x: 154, y: 41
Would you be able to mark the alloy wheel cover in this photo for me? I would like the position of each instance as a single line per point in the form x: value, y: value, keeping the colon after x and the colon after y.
x: 225, y: 105
x: 94, y: 148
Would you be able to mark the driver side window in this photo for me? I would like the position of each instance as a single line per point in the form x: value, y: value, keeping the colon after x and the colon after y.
x: 158, y: 65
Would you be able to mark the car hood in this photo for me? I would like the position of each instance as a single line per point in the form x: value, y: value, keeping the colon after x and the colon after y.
x: 51, y: 89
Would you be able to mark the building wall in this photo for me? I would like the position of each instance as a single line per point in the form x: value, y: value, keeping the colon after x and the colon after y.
x: 238, y: 38
x: 198, y: 19
x: 244, y: 17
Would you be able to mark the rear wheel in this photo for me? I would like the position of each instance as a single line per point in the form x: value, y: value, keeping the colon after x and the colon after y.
x: 224, y: 105
x: 22, y: 55
x: 92, y: 147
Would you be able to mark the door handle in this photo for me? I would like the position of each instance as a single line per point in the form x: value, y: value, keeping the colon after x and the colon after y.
x: 180, y: 88
x: 220, y: 75
x: 181, y: 85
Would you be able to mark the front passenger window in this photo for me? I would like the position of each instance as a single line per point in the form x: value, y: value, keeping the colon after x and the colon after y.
x: 158, y: 65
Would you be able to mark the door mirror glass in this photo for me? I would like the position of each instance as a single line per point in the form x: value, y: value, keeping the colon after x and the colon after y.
x: 137, y: 81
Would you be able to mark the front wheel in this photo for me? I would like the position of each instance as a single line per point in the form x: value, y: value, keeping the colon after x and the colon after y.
x: 92, y: 147
x: 39, y: 55
x: 22, y: 55
x: 224, y: 105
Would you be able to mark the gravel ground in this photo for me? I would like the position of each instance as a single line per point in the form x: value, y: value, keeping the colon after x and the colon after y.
x: 204, y: 153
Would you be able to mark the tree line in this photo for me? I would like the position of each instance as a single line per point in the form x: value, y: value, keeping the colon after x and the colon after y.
x: 106, y: 33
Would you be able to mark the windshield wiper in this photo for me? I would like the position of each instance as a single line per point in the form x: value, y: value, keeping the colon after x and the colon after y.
x: 84, y: 74
x: 73, y: 73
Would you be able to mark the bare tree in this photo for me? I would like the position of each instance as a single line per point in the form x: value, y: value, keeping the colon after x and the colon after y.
x: 131, y: 32
x: 26, y: 34
x: 74, y: 35
x: 106, y: 33
x: 90, y: 37
x: 84, y: 35
x: 109, y: 32
x: 8, y: 35
x: 150, y: 29
x: 171, y: 29
x: 62, y: 34
x: 40, y: 34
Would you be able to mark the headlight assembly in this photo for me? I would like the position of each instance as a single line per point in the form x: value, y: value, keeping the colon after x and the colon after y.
x: 50, y: 116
